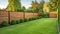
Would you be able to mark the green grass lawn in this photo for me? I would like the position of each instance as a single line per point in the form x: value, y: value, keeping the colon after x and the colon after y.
x: 40, y: 26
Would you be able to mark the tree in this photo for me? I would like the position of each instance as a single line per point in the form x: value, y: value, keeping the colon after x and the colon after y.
x: 53, y: 5
x: 41, y: 4
x: 23, y: 8
x: 35, y: 6
x: 58, y: 2
x: 59, y: 11
x: 14, y: 5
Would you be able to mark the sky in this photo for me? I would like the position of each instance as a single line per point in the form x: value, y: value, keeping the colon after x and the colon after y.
x: 26, y: 3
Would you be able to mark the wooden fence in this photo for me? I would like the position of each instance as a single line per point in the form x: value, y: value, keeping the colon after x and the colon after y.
x: 53, y: 14
x: 8, y: 15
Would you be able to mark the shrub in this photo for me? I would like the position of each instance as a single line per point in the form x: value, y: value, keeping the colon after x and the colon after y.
x: 25, y: 20
x: 4, y: 23
x: 38, y: 17
x: 17, y: 21
x: 28, y: 11
x: 46, y: 15
x: 30, y: 19
x: 20, y: 10
x: 21, y: 20
x: 34, y: 18
x: 13, y: 22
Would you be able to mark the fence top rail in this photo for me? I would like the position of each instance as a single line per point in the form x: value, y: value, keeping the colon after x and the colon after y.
x: 17, y: 11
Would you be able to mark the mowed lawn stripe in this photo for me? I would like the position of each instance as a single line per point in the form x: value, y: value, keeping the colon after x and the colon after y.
x: 40, y: 26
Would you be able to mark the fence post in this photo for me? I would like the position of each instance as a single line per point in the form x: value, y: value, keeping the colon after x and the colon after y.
x: 33, y: 13
x: 24, y: 15
x: 9, y: 17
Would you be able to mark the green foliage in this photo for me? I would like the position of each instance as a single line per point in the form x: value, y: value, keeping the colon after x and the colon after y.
x: 35, y: 6
x: 41, y: 4
x: 41, y: 12
x: 23, y: 8
x: 13, y: 22
x: 45, y: 15
x: 4, y: 23
x: 21, y: 20
x: 30, y: 19
x: 14, y: 5
x: 58, y: 2
x: 34, y: 18
x: 17, y: 21
x: 53, y: 5
x: 38, y: 17
x: 20, y: 10
x: 25, y: 20
x: 28, y: 11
